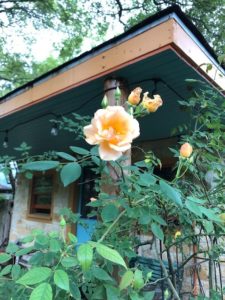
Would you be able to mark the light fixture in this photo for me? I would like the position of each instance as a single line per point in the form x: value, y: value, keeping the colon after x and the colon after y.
x: 6, y: 140
x: 54, y: 130
x: 154, y: 90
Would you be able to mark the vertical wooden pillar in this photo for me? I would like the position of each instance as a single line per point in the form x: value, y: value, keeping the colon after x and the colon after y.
x: 110, y: 86
x: 110, y: 90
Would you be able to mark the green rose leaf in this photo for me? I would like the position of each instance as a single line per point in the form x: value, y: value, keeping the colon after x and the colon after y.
x: 158, y: 219
x: 112, y: 292
x: 34, y: 276
x: 27, y: 239
x: 70, y: 173
x: 138, y: 280
x: 11, y: 248
x: 24, y: 251
x: 74, y: 290
x: 109, y: 213
x: 79, y: 150
x: 126, y: 279
x: 4, y: 257
x: 66, y: 156
x: 208, y: 225
x: 209, y: 213
x: 170, y: 192
x: 110, y: 254
x: 16, y: 269
x: 41, y: 165
x: 61, y: 279
x: 6, y: 270
x: 101, y: 274
x: 194, y: 208
x: 54, y: 245
x: 85, y: 256
x: 42, y: 292
x: 69, y: 262
x: 146, y: 179
x: 36, y: 258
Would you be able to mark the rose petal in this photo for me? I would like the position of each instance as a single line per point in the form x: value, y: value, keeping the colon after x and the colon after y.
x: 89, y: 132
x: 107, y: 153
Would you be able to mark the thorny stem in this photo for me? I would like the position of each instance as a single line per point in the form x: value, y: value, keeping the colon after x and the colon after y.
x: 167, y: 275
x: 111, y: 226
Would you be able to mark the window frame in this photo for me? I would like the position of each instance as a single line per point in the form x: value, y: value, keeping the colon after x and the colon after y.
x: 36, y: 216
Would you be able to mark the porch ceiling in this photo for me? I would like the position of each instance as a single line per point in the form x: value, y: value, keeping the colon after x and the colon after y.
x: 32, y: 124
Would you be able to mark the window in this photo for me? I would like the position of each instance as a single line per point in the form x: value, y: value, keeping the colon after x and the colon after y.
x: 41, y: 196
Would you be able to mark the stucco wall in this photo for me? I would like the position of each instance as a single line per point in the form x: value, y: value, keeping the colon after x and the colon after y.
x: 22, y: 225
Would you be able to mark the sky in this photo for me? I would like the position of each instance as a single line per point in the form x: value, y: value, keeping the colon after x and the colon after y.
x: 42, y: 46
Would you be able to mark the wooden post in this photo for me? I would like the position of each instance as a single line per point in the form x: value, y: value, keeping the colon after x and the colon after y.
x: 110, y: 90
x: 110, y: 86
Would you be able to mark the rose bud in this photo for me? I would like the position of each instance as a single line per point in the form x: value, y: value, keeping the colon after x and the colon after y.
x: 186, y: 150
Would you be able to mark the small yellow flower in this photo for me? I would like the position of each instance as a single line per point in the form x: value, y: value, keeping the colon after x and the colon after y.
x: 135, y: 96
x: 177, y: 234
x: 151, y: 105
x: 186, y: 150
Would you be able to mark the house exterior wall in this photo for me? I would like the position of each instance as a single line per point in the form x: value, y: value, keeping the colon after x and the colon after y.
x: 5, y: 212
x: 22, y: 224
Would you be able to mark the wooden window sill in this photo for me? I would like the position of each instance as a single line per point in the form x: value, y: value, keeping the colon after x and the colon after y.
x: 39, y: 218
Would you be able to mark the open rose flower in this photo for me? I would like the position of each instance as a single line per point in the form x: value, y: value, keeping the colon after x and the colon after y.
x: 186, y: 150
x: 135, y: 96
x: 113, y: 129
x: 151, y: 105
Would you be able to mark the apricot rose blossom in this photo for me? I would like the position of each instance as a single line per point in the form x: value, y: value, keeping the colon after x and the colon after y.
x: 151, y: 105
x: 113, y: 129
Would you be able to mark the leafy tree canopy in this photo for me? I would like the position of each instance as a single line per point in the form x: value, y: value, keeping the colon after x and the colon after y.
x: 76, y: 20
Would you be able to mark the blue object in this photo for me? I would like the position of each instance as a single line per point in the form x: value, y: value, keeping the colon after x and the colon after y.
x: 85, y: 232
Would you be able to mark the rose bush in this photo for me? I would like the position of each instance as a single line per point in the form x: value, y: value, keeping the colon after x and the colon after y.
x: 177, y: 213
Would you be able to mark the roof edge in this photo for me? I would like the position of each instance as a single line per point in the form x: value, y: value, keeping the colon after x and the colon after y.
x: 144, y: 25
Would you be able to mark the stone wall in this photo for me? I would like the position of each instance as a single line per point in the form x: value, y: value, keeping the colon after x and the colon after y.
x: 21, y: 224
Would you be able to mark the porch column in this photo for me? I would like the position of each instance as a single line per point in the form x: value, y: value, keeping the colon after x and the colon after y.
x: 110, y: 86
